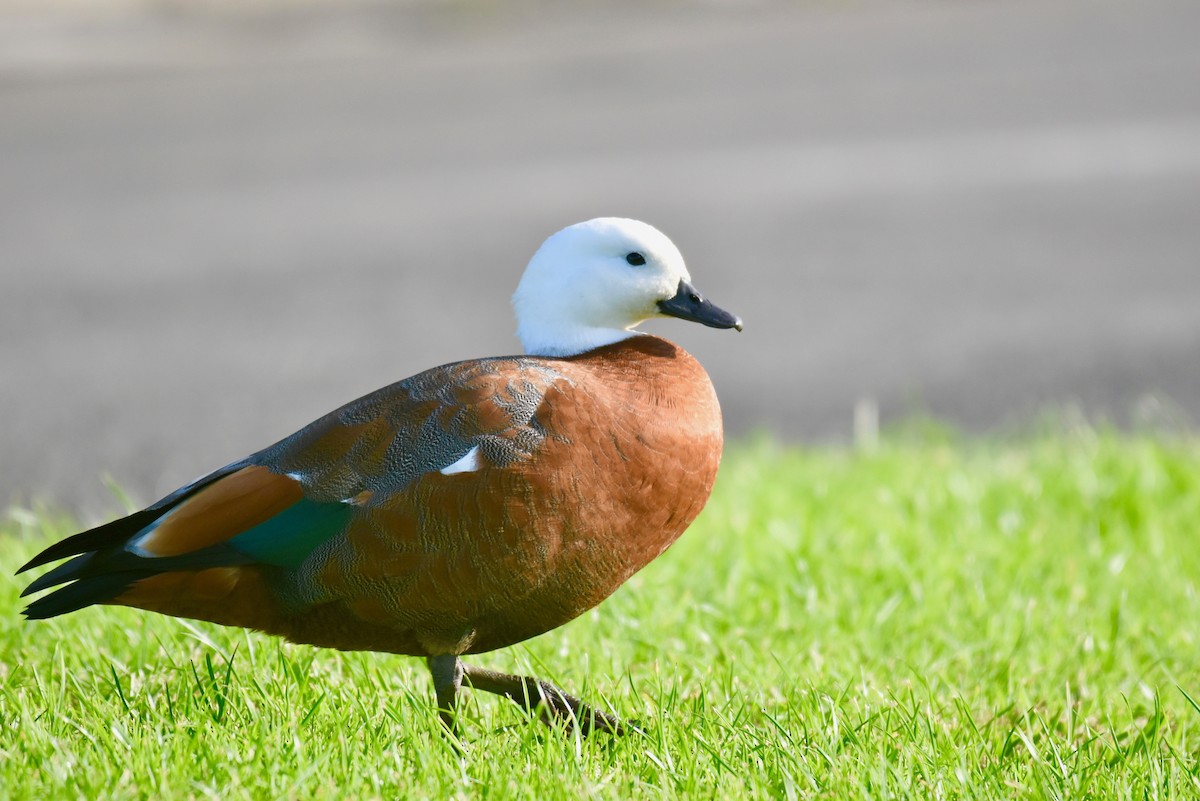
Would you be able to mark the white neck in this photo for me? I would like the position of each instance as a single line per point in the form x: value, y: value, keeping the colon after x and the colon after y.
x: 568, y: 340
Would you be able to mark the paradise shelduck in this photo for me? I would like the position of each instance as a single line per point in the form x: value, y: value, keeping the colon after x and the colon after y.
x: 464, y: 509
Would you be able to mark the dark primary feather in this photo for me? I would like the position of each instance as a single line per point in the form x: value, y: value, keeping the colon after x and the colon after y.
x: 82, y: 593
x: 102, y: 575
x: 102, y: 569
x: 118, y: 532
x: 106, y: 536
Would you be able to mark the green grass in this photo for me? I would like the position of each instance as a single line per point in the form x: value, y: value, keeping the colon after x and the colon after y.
x: 936, y: 619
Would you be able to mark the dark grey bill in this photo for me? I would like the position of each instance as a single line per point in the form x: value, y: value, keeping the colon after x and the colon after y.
x: 688, y: 304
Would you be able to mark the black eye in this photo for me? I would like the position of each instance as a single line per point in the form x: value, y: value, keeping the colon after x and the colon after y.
x: 635, y: 258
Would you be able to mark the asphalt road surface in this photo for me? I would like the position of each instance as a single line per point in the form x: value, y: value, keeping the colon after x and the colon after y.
x: 215, y: 226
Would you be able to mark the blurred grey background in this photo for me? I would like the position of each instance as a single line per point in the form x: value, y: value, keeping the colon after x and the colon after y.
x: 220, y: 220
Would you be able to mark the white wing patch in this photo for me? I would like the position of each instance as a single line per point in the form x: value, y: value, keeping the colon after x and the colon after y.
x: 467, y: 464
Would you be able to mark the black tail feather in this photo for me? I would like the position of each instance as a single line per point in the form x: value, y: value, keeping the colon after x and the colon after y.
x: 84, y: 592
x: 103, y: 569
x: 100, y: 576
x: 118, y: 532
x: 109, y: 535
x: 65, y: 572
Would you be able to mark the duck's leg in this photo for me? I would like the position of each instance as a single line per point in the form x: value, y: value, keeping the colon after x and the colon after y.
x: 557, y: 707
x: 447, y: 673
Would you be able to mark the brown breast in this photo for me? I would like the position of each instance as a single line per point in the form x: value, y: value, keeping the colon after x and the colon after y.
x: 634, y: 438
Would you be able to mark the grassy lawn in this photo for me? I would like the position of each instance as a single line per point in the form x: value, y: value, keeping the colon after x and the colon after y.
x: 935, y: 619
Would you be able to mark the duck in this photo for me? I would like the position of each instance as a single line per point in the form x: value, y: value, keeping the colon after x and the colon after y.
x: 465, y: 509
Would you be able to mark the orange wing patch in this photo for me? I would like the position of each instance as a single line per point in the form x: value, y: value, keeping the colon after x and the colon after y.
x: 231, y: 505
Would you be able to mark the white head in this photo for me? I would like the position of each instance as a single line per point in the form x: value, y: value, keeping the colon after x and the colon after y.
x: 589, y: 284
